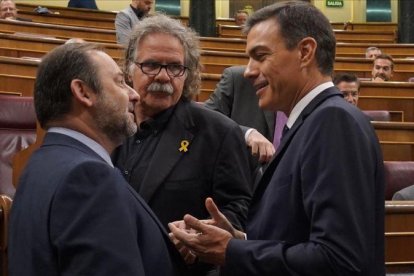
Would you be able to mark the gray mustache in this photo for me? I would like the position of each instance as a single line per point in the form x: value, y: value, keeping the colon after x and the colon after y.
x: 160, y: 87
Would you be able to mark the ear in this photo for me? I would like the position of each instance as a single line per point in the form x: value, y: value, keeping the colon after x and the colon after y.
x: 82, y: 93
x: 307, y: 48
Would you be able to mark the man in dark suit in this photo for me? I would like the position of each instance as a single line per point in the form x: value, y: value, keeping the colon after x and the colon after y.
x: 182, y: 152
x: 126, y: 19
x: 319, y: 208
x: 84, y: 4
x: 236, y: 98
x: 73, y: 213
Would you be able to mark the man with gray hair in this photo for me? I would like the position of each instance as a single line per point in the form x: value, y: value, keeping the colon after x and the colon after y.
x: 372, y: 52
x: 182, y: 152
x: 319, y: 207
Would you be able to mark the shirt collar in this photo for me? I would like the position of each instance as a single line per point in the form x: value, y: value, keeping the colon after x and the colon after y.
x: 300, y: 106
x: 92, y: 144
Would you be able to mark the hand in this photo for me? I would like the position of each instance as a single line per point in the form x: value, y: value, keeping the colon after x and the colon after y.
x: 209, y: 243
x: 220, y: 220
x: 260, y: 146
x: 188, y: 255
x: 379, y: 78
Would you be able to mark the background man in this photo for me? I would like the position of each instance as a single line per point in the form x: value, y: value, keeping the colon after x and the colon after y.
x: 126, y: 19
x: 8, y: 11
x: 315, y: 187
x: 236, y: 98
x: 383, y: 68
x: 73, y: 213
x: 348, y: 84
x: 85, y: 4
x: 372, y: 52
x: 240, y: 17
x: 182, y: 152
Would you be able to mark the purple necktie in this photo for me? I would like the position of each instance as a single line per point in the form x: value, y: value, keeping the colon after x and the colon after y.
x: 280, y: 122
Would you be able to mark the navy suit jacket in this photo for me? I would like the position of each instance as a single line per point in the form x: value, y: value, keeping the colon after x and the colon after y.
x: 73, y: 214
x: 236, y: 98
x: 319, y: 208
x: 85, y: 4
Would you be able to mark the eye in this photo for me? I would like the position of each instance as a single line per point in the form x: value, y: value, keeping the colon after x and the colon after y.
x: 151, y: 65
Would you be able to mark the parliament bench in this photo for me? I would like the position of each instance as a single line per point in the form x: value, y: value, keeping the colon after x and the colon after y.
x: 367, y: 36
x: 58, y: 31
x: 86, y: 13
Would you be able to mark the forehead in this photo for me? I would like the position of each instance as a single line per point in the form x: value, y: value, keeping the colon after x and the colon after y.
x: 382, y: 62
x: 263, y: 35
x: 160, y: 45
x: 347, y: 86
x: 7, y: 4
x: 104, y: 63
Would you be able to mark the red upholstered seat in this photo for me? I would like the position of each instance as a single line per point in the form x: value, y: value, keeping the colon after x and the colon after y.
x: 17, y: 131
x: 398, y: 175
x: 378, y: 115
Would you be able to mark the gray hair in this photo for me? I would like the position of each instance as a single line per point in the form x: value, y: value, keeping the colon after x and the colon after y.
x: 160, y: 23
x: 297, y: 20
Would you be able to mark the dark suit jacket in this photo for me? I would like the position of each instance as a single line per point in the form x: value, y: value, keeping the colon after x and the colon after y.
x: 215, y: 165
x: 73, y: 214
x: 319, y: 208
x: 85, y: 4
x: 236, y: 98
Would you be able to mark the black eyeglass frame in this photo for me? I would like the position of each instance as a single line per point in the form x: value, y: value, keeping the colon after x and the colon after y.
x: 160, y: 66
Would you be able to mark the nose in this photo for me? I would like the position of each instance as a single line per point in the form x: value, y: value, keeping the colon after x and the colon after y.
x: 251, y: 72
x: 163, y: 76
x: 132, y: 94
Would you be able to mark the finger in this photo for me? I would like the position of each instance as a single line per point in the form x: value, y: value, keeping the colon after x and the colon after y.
x: 213, y: 209
x: 196, y: 224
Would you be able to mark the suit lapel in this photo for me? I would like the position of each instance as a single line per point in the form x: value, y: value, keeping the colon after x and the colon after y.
x: 167, y: 152
x: 284, y: 143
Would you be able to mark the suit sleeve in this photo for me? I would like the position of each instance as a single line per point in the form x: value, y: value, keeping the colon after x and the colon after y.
x: 222, y: 98
x: 339, y: 192
x: 91, y: 224
x: 232, y: 178
x: 122, y: 27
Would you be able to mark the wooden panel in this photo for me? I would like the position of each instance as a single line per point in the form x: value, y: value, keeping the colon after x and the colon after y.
x: 58, y: 31
x: 397, y: 151
x: 341, y: 35
x: 368, y: 26
x: 87, y: 13
x: 405, y: 104
x: 69, y: 20
x: 17, y: 84
x: 19, y: 41
x: 395, y: 131
x: 399, y: 235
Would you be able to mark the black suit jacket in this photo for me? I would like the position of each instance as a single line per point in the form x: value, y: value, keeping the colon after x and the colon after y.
x: 73, y: 214
x: 215, y: 165
x: 236, y: 98
x: 319, y: 208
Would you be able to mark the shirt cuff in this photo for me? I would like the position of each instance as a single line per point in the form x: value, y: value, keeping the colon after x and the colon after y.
x: 246, y: 135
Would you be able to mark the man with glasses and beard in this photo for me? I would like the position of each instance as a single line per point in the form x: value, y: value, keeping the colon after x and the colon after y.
x: 182, y: 152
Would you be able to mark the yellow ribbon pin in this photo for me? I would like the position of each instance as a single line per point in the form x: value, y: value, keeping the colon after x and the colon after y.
x: 184, y: 145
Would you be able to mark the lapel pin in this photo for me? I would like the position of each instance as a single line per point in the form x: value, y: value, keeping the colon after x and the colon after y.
x: 184, y: 145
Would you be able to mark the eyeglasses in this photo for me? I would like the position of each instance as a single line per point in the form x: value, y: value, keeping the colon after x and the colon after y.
x: 154, y: 68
